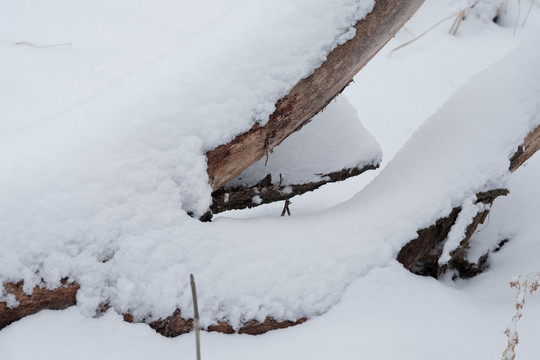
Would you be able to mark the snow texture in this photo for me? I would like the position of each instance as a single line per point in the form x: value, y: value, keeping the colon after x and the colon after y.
x: 387, y: 313
x: 96, y: 201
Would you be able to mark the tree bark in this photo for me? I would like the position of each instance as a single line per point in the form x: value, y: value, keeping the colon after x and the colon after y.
x: 313, y: 93
x: 236, y: 198
x: 41, y: 298
x: 421, y: 255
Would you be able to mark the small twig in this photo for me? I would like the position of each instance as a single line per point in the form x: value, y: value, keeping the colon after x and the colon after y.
x: 41, y: 46
x: 409, y: 31
x: 457, y: 22
x: 528, y: 13
x: 517, y: 18
x: 196, y: 317
x: 286, y: 208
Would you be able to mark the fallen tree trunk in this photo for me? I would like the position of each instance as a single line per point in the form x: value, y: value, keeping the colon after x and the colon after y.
x: 294, y: 110
x: 40, y: 299
x: 266, y: 192
x: 421, y: 255
x: 311, y: 94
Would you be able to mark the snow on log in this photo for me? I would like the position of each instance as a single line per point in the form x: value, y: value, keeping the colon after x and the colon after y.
x: 302, y: 103
x: 332, y: 147
x: 422, y: 255
x: 311, y: 94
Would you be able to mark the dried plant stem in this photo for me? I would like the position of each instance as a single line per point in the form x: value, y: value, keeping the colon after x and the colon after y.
x: 458, y: 15
x: 41, y: 46
x: 517, y: 17
x: 196, y: 324
x: 524, y: 284
x: 457, y: 22
x: 528, y: 12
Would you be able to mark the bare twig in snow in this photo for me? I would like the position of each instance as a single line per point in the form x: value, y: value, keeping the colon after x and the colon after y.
x: 517, y: 17
x: 196, y: 324
x: 286, y: 208
x: 41, y: 46
x: 455, y: 26
x: 433, y: 27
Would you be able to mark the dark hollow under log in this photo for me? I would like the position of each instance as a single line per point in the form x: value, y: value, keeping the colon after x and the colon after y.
x: 421, y: 255
x: 313, y: 93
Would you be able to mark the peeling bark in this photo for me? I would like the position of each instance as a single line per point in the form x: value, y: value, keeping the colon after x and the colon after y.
x: 176, y: 325
x: 311, y: 94
x: 531, y: 144
x: 235, y: 198
x: 40, y: 299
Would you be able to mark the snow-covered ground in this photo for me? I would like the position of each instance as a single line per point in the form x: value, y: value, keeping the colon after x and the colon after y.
x: 333, y: 265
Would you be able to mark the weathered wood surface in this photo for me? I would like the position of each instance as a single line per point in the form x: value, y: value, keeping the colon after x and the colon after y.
x: 312, y: 94
x: 236, y: 198
x: 421, y: 255
x: 531, y: 144
x: 57, y: 299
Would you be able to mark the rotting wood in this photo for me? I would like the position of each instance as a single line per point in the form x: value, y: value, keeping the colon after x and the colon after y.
x: 421, y: 255
x: 176, y: 325
x: 311, y: 94
x: 235, y: 198
x: 40, y: 299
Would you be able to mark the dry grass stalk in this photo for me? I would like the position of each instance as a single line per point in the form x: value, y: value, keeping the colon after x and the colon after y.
x: 524, y: 284
x: 528, y: 13
x: 196, y: 323
x: 455, y: 26
x: 41, y: 46
x: 459, y: 16
x: 517, y: 18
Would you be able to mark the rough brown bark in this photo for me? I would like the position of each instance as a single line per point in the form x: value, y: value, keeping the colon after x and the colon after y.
x: 176, y: 325
x: 531, y: 144
x: 57, y: 299
x: 242, y: 197
x: 421, y: 255
x: 312, y: 94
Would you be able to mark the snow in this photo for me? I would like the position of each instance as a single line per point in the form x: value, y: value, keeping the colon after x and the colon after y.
x: 334, y: 140
x: 335, y: 266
